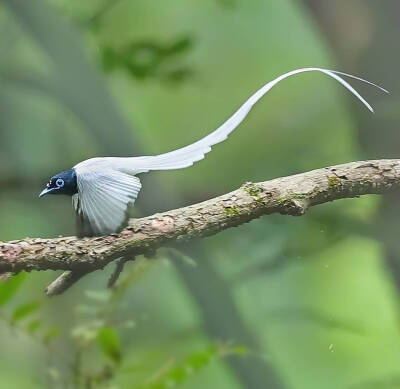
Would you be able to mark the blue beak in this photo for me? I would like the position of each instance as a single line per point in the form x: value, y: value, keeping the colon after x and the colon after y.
x: 46, y: 191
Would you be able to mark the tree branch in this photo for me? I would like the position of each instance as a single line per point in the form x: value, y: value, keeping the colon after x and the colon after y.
x: 291, y: 195
x: 63, y: 282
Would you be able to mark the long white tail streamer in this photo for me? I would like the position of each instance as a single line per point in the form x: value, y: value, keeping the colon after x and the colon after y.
x: 186, y: 156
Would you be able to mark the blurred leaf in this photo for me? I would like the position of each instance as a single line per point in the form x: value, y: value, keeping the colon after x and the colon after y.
x: 8, y: 289
x: 110, y: 344
x: 180, y: 372
x: 51, y: 334
x: 24, y: 310
x: 33, y: 326
x: 201, y: 359
x: 109, y: 59
x: 149, y: 58
x: 178, y: 47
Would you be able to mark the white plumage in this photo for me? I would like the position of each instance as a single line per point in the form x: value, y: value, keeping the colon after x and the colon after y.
x: 108, y: 186
x: 103, y: 198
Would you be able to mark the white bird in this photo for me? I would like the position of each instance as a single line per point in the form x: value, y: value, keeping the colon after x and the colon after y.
x: 104, y: 188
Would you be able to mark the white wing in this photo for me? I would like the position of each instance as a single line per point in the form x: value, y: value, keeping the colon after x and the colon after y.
x: 103, y: 199
x: 186, y: 156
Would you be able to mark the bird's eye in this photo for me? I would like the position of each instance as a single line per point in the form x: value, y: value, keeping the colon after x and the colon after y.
x: 59, y: 183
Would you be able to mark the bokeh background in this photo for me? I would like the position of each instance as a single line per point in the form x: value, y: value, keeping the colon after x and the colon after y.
x: 282, y: 302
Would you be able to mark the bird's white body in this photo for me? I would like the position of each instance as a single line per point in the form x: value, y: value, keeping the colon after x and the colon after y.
x: 108, y: 186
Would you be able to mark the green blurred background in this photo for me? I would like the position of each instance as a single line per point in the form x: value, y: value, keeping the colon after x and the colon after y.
x: 282, y: 302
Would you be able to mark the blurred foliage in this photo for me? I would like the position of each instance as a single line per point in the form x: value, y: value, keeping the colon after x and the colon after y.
x: 313, y: 289
x: 148, y: 59
x: 97, y: 335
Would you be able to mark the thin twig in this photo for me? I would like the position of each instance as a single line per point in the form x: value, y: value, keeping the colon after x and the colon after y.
x: 63, y: 282
x: 119, y: 266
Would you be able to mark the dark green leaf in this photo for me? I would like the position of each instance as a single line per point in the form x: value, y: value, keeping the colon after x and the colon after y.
x: 180, y: 372
x: 33, y: 326
x: 24, y: 310
x: 179, y: 46
x: 201, y: 359
x: 51, y: 334
x: 110, y: 344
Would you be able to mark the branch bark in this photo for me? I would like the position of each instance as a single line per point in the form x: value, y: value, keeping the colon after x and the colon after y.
x: 291, y: 195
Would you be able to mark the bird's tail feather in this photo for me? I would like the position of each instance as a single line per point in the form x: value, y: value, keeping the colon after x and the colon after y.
x: 186, y: 156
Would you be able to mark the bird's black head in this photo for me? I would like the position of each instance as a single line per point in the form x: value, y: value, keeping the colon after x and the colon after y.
x: 62, y: 183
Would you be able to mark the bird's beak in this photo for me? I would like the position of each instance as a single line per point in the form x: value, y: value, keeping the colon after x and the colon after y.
x: 45, y: 191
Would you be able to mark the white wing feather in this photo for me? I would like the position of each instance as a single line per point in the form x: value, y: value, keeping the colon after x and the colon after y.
x: 103, y: 199
x: 107, y: 186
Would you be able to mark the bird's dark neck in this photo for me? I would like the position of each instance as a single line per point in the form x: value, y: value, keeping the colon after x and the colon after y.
x: 71, y: 185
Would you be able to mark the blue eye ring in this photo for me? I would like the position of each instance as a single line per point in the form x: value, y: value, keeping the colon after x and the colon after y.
x: 59, y: 183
